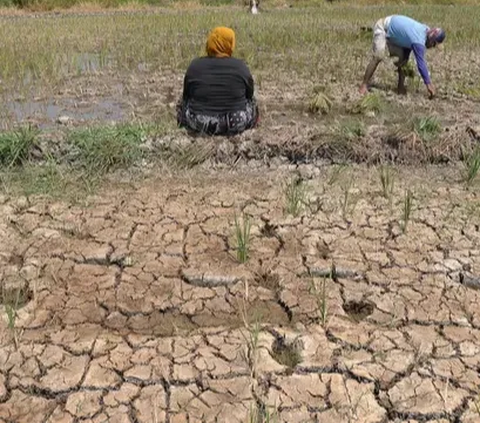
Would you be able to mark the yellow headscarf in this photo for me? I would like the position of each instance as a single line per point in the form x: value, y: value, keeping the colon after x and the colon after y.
x: 221, y: 42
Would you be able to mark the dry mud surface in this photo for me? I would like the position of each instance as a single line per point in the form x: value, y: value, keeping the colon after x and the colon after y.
x: 134, y: 309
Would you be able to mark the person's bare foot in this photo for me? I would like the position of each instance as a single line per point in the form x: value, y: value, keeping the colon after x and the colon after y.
x: 363, y: 89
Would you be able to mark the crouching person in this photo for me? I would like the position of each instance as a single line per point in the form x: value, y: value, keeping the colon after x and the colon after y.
x: 218, y: 90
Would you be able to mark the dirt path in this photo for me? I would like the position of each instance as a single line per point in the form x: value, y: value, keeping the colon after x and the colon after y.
x: 113, y: 288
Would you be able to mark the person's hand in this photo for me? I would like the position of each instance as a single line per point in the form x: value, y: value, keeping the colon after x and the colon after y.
x: 363, y: 89
x: 431, y: 91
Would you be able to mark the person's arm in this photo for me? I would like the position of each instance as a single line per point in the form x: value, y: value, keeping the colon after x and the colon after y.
x: 419, y: 52
x: 250, y: 84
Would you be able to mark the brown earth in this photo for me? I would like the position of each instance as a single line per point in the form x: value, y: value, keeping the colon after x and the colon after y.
x: 137, y: 310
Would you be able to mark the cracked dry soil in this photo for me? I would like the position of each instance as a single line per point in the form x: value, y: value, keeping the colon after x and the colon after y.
x: 131, y: 305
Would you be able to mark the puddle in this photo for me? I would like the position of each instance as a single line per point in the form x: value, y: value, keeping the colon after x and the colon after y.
x: 358, y: 310
x: 48, y: 112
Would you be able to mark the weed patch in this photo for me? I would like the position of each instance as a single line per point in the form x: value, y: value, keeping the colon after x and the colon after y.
x: 102, y: 149
x: 15, y: 146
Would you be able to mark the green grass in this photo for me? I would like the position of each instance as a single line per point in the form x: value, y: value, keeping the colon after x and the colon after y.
x: 370, y: 103
x: 471, y: 167
x: 102, y: 149
x: 427, y: 128
x: 352, y: 129
x: 16, y: 145
x: 90, y: 154
x: 348, y: 199
x: 295, y: 196
x: 387, y: 181
x: 407, y: 209
x: 242, y: 238
x: 320, y: 294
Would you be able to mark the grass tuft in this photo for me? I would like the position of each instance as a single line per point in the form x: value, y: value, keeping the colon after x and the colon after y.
x: 101, y: 149
x: 427, y: 127
x: 15, y: 146
x: 387, y: 180
x: 471, y: 167
x: 407, y: 209
x: 320, y: 294
x: 13, y: 300
x: 352, y: 129
x: 295, y: 196
x: 348, y: 201
x: 242, y: 236
x: 262, y: 414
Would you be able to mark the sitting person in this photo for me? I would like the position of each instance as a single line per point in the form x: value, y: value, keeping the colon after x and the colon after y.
x: 218, y: 90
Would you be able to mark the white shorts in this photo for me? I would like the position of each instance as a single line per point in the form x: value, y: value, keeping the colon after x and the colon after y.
x: 380, y: 37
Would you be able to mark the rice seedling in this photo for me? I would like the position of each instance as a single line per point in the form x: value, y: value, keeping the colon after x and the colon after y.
x: 320, y: 102
x: 387, y: 180
x: 260, y: 413
x: 407, y: 209
x: 253, y: 334
x: 15, y: 146
x: 427, y: 127
x: 295, y: 196
x: 12, y: 301
x: 471, y: 167
x: 348, y: 200
x: 370, y: 103
x: 242, y: 237
x: 320, y: 295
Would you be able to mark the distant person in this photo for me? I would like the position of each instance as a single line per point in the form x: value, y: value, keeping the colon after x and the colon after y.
x: 401, y: 35
x: 218, y: 90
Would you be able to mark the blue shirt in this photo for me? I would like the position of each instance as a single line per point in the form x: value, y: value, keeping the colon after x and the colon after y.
x: 409, y: 34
